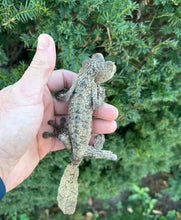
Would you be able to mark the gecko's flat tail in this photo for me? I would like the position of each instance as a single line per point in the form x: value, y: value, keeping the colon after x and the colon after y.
x: 68, y: 190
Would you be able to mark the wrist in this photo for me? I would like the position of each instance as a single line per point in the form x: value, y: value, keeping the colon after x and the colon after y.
x: 2, y: 176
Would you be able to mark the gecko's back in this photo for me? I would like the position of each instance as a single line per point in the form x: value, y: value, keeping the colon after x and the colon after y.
x: 80, y: 118
x: 86, y: 97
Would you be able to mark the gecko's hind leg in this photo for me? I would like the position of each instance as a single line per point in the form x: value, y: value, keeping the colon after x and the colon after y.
x: 96, y: 152
x: 64, y: 138
x: 91, y: 151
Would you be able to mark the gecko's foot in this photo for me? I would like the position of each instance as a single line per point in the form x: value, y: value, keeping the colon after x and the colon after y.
x: 61, y: 95
x: 99, y: 141
x: 58, y: 129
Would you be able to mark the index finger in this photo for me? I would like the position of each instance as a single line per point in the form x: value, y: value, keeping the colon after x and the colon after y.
x: 61, y: 79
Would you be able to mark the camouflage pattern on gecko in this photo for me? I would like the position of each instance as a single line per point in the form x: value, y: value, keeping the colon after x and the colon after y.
x: 83, y: 97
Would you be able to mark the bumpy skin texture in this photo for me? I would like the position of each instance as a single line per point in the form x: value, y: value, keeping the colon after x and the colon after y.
x: 67, y: 199
x: 84, y: 96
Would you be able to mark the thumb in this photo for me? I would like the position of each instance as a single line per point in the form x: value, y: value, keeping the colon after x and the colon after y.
x: 36, y: 76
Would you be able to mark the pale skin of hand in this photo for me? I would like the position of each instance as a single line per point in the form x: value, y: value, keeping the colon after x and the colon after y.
x: 25, y: 108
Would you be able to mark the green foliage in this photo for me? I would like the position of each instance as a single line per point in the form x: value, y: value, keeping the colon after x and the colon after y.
x: 174, y: 188
x: 146, y: 88
x: 138, y: 206
x: 14, y: 11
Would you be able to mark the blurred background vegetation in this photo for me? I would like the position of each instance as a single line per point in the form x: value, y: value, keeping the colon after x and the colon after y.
x: 143, y: 38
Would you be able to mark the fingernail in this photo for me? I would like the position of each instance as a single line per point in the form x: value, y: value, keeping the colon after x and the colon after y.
x: 43, y: 42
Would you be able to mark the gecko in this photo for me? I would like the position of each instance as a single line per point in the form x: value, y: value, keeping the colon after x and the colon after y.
x: 84, y: 96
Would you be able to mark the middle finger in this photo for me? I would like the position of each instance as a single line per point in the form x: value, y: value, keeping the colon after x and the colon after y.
x: 106, y: 112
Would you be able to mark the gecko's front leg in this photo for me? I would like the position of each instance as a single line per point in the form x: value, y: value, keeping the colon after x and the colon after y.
x: 98, y: 95
x: 65, y: 96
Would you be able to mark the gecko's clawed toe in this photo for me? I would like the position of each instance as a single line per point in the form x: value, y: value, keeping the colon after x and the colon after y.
x: 46, y: 134
x: 51, y: 122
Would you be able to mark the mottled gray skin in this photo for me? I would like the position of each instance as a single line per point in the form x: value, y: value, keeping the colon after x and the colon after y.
x: 84, y: 96
x: 80, y: 118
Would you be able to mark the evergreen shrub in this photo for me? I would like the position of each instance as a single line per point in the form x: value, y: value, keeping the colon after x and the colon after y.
x: 143, y: 38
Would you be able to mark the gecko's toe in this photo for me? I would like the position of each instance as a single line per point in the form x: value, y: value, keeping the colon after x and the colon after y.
x: 46, y: 134
x: 51, y: 122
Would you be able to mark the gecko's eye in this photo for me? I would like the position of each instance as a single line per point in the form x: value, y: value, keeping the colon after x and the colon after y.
x: 98, y: 56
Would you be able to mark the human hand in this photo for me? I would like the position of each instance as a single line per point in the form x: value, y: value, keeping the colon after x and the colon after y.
x: 25, y: 108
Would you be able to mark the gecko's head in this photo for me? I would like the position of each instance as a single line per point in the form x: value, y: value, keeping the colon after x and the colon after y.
x: 98, y: 68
